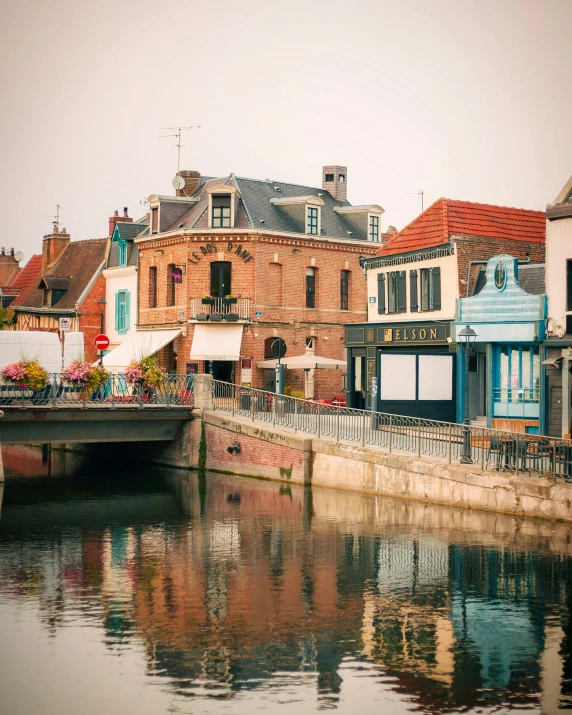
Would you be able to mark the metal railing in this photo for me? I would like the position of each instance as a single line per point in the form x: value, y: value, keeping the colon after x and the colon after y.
x: 220, y: 309
x: 487, y: 449
x: 173, y: 391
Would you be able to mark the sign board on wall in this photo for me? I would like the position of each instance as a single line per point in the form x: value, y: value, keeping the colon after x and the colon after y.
x: 65, y: 325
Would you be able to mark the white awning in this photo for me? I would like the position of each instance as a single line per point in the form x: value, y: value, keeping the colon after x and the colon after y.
x: 136, y: 346
x: 216, y: 342
x: 305, y: 362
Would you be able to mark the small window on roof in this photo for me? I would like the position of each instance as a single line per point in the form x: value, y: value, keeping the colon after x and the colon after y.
x: 329, y: 177
x: 221, y: 211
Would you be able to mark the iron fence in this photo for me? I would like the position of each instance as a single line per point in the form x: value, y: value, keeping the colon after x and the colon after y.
x: 173, y: 391
x: 486, y: 449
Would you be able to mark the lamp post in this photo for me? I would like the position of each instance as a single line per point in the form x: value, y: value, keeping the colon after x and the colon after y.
x: 467, y: 336
x: 101, y: 303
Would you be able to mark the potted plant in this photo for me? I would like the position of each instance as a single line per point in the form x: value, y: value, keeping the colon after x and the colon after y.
x: 208, y: 300
x: 201, y: 316
x: 144, y: 374
x: 216, y: 317
x: 229, y: 299
x: 85, y: 377
x: 231, y: 317
x: 26, y: 375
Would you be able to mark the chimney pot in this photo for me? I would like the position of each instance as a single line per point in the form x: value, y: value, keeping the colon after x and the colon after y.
x: 11, y: 251
x: 116, y: 212
x: 125, y: 214
x: 3, y: 251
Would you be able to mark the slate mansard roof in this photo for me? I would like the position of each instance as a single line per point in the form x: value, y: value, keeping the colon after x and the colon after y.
x: 446, y: 218
x: 531, y: 278
x: 255, y: 210
x: 126, y: 232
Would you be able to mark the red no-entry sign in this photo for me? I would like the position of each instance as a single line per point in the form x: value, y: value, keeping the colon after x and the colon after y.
x: 101, y: 342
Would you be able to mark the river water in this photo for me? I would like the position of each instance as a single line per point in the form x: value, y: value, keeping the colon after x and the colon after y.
x: 154, y: 591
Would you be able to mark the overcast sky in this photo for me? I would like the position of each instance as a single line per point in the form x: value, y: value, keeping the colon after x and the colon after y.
x: 468, y: 100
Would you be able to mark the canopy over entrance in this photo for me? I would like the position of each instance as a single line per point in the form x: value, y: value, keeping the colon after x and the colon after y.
x: 216, y: 342
x: 137, y: 346
x: 305, y: 362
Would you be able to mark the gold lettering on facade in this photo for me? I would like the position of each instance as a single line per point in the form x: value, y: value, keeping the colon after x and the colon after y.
x: 388, y: 334
x: 413, y: 334
x: 422, y: 333
x: 433, y: 333
x: 405, y: 334
x: 398, y: 334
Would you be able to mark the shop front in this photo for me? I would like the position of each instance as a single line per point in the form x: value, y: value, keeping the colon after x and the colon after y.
x: 412, y: 364
x: 510, y: 328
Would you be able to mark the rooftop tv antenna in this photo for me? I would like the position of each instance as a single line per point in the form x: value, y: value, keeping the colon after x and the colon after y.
x: 56, y: 218
x: 418, y: 193
x: 177, y: 136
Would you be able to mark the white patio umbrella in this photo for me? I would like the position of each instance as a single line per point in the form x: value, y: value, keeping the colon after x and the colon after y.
x: 305, y: 362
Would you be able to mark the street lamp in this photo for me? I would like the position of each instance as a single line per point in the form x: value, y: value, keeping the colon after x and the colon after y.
x: 467, y: 336
x: 101, y: 305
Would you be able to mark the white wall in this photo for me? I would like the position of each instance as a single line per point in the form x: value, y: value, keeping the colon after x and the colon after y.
x: 449, y: 291
x: 117, y: 279
x: 558, y: 251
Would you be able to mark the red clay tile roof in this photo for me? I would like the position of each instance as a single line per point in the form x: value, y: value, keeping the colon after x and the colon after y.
x: 446, y: 218
x: 28, y: 278
x: 78, y: 263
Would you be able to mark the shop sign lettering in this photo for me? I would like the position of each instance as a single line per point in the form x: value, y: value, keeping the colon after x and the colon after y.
x: 418, y: 334
x: 209, y: 248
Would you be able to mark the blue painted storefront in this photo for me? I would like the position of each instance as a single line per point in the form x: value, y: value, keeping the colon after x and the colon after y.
x: 510, y: 327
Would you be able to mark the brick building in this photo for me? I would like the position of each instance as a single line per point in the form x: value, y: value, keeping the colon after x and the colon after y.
x: 289, y: 257
x: 66, y: 283
x: 413, y: 284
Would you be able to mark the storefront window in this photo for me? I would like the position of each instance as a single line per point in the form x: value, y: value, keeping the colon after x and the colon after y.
x: 519, y: 374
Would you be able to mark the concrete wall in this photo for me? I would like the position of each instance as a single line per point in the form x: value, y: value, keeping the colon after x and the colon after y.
x: 558, y: 251
x: 117, y: 279
x: 449, y: 291
x: 273, y: 454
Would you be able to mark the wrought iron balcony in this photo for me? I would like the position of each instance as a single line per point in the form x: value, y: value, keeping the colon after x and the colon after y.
x: 220, y: 309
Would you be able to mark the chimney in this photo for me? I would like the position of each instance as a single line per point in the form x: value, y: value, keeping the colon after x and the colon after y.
x: 334, y: 180
x: 116, y: 218
x: 53, y: 245
x: 192, y: 182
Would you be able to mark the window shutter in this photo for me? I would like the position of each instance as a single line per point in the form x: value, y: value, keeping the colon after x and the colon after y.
x: 117, y: 303
x: 127, y: 306
x: 414, y: 305
x: 436, y: 288
x: 401, y: 301
x: 381, y: 292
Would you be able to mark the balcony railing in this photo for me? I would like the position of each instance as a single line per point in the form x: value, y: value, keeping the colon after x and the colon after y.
x: 220, y: 309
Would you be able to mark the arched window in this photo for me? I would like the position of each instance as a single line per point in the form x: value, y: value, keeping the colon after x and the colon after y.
x: 344, y: 290
x: 170, y: 285
x: 153, y: 287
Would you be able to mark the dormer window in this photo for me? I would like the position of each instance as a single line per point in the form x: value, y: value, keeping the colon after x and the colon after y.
x: 373, y: 228
x: 155, y: 219
x: 122, y: 254
x: 312, y: 221
x: 221, y: 211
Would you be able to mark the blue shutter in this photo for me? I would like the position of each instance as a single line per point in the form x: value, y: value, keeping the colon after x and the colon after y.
x: 117, y: 304
x: 127, y: 306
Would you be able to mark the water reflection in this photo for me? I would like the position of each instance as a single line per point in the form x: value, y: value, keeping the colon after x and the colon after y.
x: 245, y: 591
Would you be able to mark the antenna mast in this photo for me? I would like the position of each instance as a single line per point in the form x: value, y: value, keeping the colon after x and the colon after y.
x: 177, y: 136
x: 418, y: 193
x: 56, y: 218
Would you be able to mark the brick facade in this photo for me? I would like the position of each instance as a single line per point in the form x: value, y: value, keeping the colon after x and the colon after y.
x: 270, y: 271
x: 480, y: 248
x: 89, y: 317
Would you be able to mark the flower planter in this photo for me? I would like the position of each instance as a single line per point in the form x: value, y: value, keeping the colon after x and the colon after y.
x: 229, y: 301
x: 201, y: 316
x: 208, y: 301
x: 231, y: 317
x: 216, y: 317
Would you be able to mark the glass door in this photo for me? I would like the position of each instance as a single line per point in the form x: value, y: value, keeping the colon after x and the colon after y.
x: 221, y: 279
